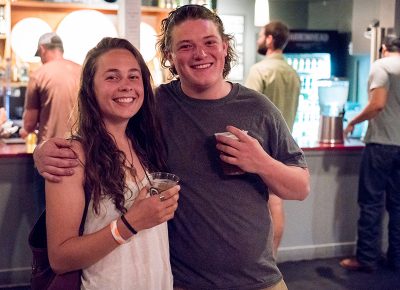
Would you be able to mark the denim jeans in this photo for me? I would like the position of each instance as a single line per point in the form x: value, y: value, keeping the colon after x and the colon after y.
x: 379, y: 185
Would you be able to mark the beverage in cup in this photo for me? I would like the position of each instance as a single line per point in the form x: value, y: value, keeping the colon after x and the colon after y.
x: 161, y: 181
x: 30, y: 142
x: 229, y: 169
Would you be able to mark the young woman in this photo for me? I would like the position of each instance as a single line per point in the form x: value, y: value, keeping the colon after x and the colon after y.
x: 125, y: 240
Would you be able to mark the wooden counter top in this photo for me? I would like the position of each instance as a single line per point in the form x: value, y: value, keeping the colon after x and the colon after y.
x: 14, y: 150
x: 348, y: 145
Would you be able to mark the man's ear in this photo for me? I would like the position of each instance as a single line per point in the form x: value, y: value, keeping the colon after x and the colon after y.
x: 269, y: 41
x: 41, y: 50
x: 225, y: 47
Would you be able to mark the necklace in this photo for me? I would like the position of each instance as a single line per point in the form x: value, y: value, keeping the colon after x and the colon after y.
x: 131, y: 168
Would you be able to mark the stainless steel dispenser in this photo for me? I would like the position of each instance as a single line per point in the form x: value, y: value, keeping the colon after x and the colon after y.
x: 332, y: 95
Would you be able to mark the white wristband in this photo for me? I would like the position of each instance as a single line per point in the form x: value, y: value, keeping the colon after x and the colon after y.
x: 115, y: 233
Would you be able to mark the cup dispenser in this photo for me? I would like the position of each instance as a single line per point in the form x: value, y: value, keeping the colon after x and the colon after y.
x: 332, y: 95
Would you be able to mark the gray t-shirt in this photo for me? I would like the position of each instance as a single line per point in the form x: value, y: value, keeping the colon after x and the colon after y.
x: 385, y: 127
x: 221, y: 235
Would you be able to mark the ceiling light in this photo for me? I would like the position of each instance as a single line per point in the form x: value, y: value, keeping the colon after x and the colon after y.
x: 261, y: 13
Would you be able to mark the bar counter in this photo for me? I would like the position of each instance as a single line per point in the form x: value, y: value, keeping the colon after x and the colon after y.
x: 324, y: 225
x: 14, y: 150
x: 21, y: 150
x: 348, y: 145
x: 17, y: 213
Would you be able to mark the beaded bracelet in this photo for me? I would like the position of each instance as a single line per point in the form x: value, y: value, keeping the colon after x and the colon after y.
x: 115, y: 233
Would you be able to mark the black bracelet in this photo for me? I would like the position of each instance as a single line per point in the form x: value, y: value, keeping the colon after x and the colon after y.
x: 128, y: 225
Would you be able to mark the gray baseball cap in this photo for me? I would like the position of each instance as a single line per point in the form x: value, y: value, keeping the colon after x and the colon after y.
x: 49, y: 40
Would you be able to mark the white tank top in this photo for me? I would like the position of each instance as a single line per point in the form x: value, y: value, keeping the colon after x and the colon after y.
x: 141, y: 264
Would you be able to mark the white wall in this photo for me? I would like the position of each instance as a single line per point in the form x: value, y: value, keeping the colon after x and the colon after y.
x: 330, y: 15
x: 293, y: 13
x: 325, y: 224
x: 246, y: 9
x: 364, y: 11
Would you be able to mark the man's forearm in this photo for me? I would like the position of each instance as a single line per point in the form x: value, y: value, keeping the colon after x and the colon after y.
x: 368, y: 113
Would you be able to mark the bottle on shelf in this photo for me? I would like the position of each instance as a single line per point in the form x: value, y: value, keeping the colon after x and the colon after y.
x: 150, y: 3
x: 31, y: 141
x: 23, y: 72
x: 169, y: 4
x: 7, y: 86
x: 162, y: 3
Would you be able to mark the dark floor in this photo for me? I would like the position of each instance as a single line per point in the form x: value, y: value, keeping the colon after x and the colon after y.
x: 16, y: 288
x: 326, y: 274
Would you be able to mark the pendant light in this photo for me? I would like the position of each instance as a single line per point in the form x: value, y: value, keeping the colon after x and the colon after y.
x: 261, y: 12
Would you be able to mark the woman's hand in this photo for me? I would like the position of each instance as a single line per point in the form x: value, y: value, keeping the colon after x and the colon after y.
x: 147, y: 212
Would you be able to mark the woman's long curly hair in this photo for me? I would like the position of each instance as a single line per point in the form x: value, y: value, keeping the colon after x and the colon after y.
x: 186, y: 12
x: 104, y: 162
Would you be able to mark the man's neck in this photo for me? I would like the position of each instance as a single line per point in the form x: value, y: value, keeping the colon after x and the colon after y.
x: 394, y: 53
x: 215, y: 92
x: 54, y: 55
x: 274, y: 51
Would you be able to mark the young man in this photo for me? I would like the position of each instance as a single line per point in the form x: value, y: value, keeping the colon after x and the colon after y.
x: 221, y: 235
x: 379, y: 182
x: 278, y: 81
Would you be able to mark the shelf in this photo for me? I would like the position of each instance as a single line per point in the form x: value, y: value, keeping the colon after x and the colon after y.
x: 19, y: 84
x: 54, y: 12
x: 153, y: 9
x: 110, y: 8
x: 62, y: 6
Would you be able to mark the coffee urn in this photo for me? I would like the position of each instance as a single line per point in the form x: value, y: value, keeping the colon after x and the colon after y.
x: 332, y: 94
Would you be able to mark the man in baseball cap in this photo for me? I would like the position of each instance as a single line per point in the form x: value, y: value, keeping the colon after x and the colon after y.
x: 50, y: 97
x: 50, y: 41
x: 379, y: 183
